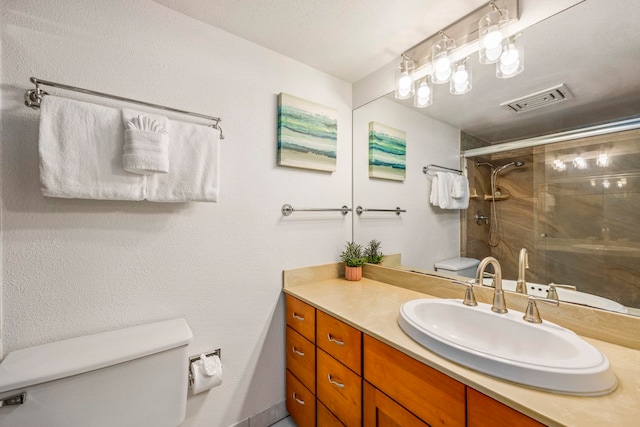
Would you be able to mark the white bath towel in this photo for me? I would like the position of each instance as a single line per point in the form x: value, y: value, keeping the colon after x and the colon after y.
x: 195, y: 166
x: 433, y: 197
x: 80, y: 149
x: 445, y: 186
x: 146, y: 143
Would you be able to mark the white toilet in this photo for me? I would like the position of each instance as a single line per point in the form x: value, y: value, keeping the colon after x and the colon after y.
x: 459, y: 266
x: 133, y: 377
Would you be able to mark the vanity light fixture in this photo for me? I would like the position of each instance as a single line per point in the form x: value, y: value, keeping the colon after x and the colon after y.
x: 606, y: 183
x: 511, y: 61
x: 441, y: 59
x: 491, y: 32
x: 461, y: 79
x: 404, y: 81
x: 622, y: 182
x: 559, y: 165
x: 444, y: 56
x: 424, y: 93
x: 603, y: 160
x: 579, y: 163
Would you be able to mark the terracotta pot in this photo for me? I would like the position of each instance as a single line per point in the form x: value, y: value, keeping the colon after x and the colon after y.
x: 353, y: 273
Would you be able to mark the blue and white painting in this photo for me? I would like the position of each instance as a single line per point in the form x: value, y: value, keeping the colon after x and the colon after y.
x: 307, y: 134
x: 387, y: 152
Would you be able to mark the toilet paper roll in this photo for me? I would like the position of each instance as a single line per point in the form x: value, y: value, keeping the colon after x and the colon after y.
x: 206, y: 372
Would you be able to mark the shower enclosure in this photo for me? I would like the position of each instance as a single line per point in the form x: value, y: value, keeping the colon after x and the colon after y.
x: 575, y: 206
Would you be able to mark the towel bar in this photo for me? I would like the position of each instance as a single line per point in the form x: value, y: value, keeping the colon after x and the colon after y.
x: 33, y: 97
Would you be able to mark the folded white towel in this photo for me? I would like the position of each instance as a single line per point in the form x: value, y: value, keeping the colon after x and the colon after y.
x: 195, y: 168
x: 458, y: 186
x: 146, y: 143
x: 81, y: 152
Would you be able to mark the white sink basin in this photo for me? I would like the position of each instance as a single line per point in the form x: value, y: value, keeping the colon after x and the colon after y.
x: 565, y: 295
x: 545, y: 356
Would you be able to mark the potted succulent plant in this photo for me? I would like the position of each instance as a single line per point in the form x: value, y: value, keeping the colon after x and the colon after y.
x: 372, y: 252
x: 353, y: 260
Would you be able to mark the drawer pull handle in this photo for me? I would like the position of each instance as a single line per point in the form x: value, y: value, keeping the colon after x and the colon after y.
x: 297, y: 316
x: 298, y: 352
x: 335, y: 383
x: 332, y: 339
x: 300, y: 401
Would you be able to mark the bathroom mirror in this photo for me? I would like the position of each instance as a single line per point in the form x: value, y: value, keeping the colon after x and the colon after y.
x: 576, y: 232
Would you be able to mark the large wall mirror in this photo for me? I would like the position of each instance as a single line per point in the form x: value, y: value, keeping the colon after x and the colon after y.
x: 574, y: 205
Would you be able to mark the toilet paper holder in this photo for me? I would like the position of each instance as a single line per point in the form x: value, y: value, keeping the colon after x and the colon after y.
x: 216, y: 352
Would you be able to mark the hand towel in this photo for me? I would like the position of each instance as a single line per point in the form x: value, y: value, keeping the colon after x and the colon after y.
x: 460, y: 192
x: 433, y: 198
x: 146, y: 143
x: 195, y: 168
x: 80, y: 149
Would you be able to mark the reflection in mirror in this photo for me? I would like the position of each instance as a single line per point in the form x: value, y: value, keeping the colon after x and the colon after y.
x: 574, y: 205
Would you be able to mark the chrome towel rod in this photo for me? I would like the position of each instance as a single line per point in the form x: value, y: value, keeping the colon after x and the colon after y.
x: 430, y: 167
x: 288, y: 210
x: 360, y: 209
x: 33, y: 97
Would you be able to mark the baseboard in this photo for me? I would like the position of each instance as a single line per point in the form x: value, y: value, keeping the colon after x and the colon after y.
x: 265, y: 418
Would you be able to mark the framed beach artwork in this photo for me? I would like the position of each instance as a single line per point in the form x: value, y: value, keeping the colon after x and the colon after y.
x: 307, y: 134
x: 387, y: 152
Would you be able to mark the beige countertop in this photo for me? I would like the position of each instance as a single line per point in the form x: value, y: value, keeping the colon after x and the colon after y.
x: 372, y: 307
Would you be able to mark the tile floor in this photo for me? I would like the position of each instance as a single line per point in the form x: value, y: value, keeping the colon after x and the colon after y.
x: 286, y: 422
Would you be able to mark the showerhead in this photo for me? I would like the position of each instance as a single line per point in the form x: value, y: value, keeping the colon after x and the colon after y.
x: 503, y: 167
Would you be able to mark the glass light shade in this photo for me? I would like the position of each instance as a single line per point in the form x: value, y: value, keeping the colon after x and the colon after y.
x: 511, y: 61
x: 603, y: 160
x: 404, y: 81
x: 491, y: 33
x: 461, y: 78
x: 424, y: 93
x: 441, y: 60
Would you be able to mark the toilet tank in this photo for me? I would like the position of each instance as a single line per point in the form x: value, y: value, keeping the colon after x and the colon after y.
x: 133, y: 377
x: 460, y: 266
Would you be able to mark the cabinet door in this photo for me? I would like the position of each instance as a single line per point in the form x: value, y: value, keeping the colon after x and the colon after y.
x: 301, y: 317
x: 431, y: 395
x: 381, y: 411
x: 483, y: 411
x: 301, y: 403
x: 340, y: 340
x: 326, y: 418
x: 339, y: 389
x: 301, y: 358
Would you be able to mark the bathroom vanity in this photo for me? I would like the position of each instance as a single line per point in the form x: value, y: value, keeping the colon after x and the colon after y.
x: 349, y: 363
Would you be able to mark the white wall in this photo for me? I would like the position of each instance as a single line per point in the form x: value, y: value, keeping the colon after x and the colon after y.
x: 424, y: 234
x: 73, y: 267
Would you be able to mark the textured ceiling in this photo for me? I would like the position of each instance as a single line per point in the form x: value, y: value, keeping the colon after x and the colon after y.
x: 592, y: 47
x: 345, y: 38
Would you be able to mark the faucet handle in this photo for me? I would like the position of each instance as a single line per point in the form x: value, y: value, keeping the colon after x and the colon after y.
x: 553, y: 294
x: 469, y: 297
x: 532, y: 314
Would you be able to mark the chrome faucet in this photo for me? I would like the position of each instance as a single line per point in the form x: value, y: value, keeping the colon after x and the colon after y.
x: 499, y: 304
x: 523, y: 263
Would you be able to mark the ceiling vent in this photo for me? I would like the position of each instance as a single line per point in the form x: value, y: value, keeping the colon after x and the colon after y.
x: 539, y: 99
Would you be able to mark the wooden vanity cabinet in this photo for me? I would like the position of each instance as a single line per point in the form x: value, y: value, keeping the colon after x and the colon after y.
x: 301, y: 361
x: 432, y: 396
x: 339, y: 377
x: 339, y: 368
x: 483, y: 411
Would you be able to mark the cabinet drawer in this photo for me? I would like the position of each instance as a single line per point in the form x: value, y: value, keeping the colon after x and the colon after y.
x: 381, y: 411
x: 301, y: 358
x: 431, y: 395
x: 340, y: 340
x: 301, y: 317
x: 326, y: 418
x: 301, y: 403
x: 339, y: 389
x: 484, y: 411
